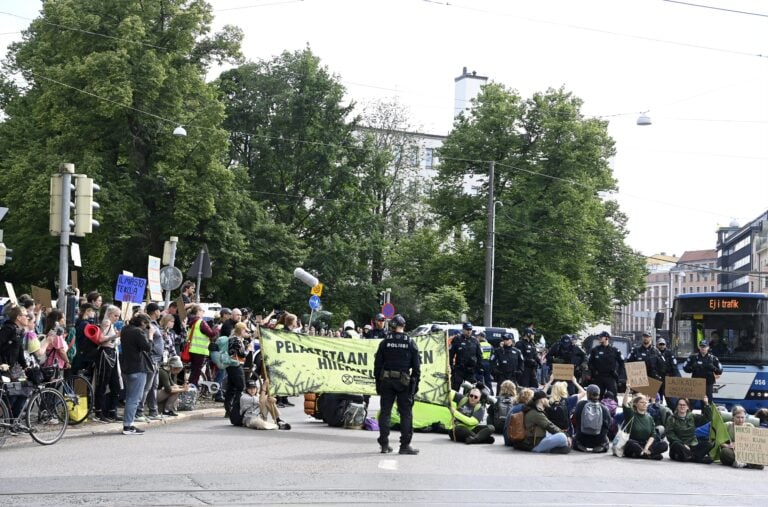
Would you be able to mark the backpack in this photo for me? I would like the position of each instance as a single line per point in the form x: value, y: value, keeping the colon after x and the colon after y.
x: 188, y: 399
x: 591, y: 418
x: 516, y: 429
x: 558, y: 414
x: 500, y: 411
x: 235, y: 416
x: 354, y: 416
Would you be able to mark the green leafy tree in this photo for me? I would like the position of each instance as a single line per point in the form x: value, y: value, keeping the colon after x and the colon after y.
x: 106, y: 95
x: 446, y: 304
x: 561, y: 259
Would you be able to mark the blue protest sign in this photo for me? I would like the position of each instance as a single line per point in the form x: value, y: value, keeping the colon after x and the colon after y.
x: 130, y: 289
x: 314, y: 302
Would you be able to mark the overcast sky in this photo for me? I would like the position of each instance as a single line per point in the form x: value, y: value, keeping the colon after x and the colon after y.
x: 697, y: 71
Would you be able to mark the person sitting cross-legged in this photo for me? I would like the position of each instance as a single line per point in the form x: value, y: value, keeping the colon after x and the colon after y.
x: 591, y: 422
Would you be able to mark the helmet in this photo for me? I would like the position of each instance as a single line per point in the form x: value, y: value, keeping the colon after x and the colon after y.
x: 467, y: 326
x: 349, y: 324
x: 529, y: 332
x: 566, y: 339
x: 379, y: 316
x: 398, y: 321
x: 507, y: 336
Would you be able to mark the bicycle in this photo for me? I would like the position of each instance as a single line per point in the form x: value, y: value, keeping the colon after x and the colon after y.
x: 76, y: 389
x: 44, y: 415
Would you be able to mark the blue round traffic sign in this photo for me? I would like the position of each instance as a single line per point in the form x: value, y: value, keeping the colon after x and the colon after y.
x: 314, y: 302
x: 388, y: 309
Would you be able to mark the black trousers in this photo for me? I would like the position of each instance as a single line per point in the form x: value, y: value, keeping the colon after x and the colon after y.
x: 592, y: 441
x: 634, y: 449
x: 696, y: 453
x: 235, y: 385
x: 480, y: 434
x: 106, y: 376
x: 458, y: 376
x: 528, y: 378
x: 393, y: 390
x: 606, y: 383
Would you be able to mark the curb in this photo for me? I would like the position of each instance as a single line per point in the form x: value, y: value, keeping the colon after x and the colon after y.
x: 87, y: 429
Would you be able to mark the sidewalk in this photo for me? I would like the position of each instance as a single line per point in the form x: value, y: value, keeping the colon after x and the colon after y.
x: 89, y: 428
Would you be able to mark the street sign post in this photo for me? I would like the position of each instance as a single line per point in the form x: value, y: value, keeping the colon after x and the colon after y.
x: 170, y: 278
x: 388, y: 309
x: 314, y: 302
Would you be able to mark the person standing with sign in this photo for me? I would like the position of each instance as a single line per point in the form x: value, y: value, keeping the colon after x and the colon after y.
x: 397, y: 368
x: 605, y: 363
x: 704, y: 365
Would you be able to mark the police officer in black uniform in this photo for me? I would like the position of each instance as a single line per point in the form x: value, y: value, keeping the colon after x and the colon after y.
x: 704, y: 365
x: 397, y: 369
x: 506, y: 361
x: 530, y: 359
x: 566, y: 352
x: 465, y: 357
x: 380, y: 330
x: 605, y: 364
x: 655, y: 366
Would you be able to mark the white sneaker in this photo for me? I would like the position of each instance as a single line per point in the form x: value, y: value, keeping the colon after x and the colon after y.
x: 131, y: 430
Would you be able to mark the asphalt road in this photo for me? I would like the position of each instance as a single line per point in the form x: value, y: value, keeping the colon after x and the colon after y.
x: 207, y: 461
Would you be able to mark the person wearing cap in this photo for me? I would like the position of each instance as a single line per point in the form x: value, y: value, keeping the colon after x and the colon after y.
x: 566, y: 352
x: 465, y: 357
x: 605, y: 363
x: 591, y: 422
x: 397, y: 369
x: 655, y: 366
x: 256, y: 405
x: 530, y: 355
x: 227, y: 323
x: 506, y: 361
x: 380, y: 327
x: 704, y: 365
x: 670, y: 369
x: 542, y: 435
x: 168, y: 390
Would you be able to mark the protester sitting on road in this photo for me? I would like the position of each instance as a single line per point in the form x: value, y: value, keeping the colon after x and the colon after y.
x: 168, y: 390
x: 497, y: 412
x: 542, y: 435
x: 523, y: 397
x: 762, y: 416
x: 609, y: 402
x: 680, y: 431
x: 256, y: 405
x: 591, y: 420
x: 469, y: 415
x: 643, y: 441
x: 561, y: 406
x: 727, y: 451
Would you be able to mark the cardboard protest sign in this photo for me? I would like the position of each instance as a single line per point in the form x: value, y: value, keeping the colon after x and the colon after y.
x: 73, y: 278
x: 180, y: 308
x: 651, y: 389
x: 42, y: 297
x: 562, y: 371
x: 153, y: 276
x: 130, y: 289
x: 637, y: 374
x: 685, y: 387
x: 751, y: 445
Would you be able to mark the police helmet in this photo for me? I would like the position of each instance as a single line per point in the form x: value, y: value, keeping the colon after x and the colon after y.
x: 379, y: 316
x: 529, y: 332
x: 398, y: 321
x: 566, y: 339
x: 507, y: 336
x: 467, y: 326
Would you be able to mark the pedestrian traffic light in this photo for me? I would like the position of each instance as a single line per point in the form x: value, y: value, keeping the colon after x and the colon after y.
x: 5, y: 254
x: 57, y: 191
x: 84, y: 205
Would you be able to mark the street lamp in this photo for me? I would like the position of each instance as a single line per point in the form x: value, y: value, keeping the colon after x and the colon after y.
x: 180, y: 131
x: 644, y: 120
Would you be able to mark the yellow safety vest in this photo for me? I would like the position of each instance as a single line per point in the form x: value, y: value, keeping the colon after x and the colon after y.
x: 198, y: 341
x: 486, y: 349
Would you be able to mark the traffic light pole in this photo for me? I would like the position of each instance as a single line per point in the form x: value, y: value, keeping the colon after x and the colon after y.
x: 66, y: 170
x: 489, y: 251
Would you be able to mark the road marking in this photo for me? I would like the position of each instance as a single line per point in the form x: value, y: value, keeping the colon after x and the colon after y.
x: 388, y: 464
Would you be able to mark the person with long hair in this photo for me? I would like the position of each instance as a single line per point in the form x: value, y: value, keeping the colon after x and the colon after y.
x: 643, y: 441
x: 54, y: 344
x: 107, y: 373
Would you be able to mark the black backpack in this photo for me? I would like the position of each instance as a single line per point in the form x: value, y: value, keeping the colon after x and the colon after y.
x: 500, y: 411
x: 235, y: 417
x: 558, y: 414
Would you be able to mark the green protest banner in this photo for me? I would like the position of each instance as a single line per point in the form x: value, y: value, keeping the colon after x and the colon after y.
x: 299, y: 364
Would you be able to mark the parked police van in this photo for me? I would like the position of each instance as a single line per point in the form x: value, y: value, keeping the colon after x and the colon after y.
x: 492, y: 334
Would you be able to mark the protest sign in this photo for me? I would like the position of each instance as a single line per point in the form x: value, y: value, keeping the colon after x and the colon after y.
x: 11, y: 292
x: 42, y: 297
x: 153, y: 277
x: 303, y: 364
x: 637, y: 374
x: 181, y: 309
x: 751, y: 445
x: 651, y: 389
x: 130, y: 289
x: 562, y: 371
x: 685, y: 387
x: 73, y: 278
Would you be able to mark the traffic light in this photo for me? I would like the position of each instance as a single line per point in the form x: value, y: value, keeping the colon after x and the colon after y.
x: 57, y: 189
x: 382, y: 298
x: 5, y: 254
x: 84, y: 205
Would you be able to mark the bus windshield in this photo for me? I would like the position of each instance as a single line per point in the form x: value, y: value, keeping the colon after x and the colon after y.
x: 734, y: 325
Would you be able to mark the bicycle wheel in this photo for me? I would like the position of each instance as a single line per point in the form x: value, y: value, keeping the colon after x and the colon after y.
x: 5, y: 422
x: 47, y: 416
x: 78, y: 390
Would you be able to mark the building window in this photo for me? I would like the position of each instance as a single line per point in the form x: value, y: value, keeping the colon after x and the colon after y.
x: 429, y: 157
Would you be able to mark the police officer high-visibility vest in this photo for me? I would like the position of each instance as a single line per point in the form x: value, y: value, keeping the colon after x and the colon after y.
x: 487, y: 349
x: 199, y: 341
